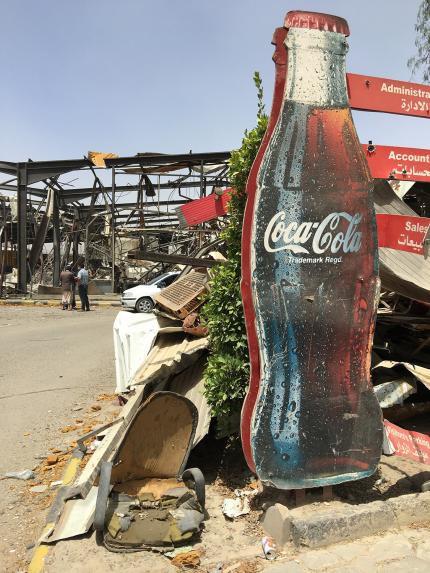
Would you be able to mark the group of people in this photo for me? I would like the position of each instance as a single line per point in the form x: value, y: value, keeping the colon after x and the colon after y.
x: 68, y: 282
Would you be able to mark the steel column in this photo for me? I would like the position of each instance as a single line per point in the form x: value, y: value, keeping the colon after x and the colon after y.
x: 56, y: 238
x: 3, y: 252
x: 22, y: 226
x: 113, y: 229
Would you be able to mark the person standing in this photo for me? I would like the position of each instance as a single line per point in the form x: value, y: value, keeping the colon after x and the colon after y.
x: 83, y: 279
x: 67, y: 280
x: 75, y: 280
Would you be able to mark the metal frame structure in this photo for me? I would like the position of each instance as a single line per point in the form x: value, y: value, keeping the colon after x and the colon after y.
x: 136, y: 201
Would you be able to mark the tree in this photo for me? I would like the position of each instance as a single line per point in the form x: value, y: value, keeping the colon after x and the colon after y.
x: 227, y: 372
x: 421, y: 61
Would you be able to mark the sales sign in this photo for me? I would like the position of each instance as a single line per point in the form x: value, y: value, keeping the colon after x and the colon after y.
x: 389, y: 96
x: 402, y: 233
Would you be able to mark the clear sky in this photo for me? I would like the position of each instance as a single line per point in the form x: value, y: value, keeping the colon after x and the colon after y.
x: 130, y: 76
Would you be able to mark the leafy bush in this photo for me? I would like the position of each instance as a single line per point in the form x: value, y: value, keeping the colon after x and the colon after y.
x: 227, y: 372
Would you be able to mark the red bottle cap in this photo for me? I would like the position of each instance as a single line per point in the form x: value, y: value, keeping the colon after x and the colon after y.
x: 316, y: 21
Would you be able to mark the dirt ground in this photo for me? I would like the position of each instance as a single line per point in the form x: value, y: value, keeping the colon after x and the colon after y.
x: 235, y: 545
x: 77, y: 395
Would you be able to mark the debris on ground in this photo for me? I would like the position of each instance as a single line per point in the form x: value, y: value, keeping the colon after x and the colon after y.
x: 67, y: 429
x: 192, y: 325
x: 238, y: 506
x: 178, y: 551
x: 233, y: 508
x: 187, y: 560
x: 269, y: 548
x: 38, y: 488
x: 23, y: 475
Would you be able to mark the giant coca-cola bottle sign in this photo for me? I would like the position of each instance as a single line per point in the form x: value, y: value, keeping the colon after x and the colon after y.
x: 313, y: 267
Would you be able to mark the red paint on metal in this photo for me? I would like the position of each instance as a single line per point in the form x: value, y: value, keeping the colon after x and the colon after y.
x: 389, y: 96
x: 412, y: 445
x: 402, y: 233
x: 402, y: 163
x: 316, y: 21
x: 205, y: 209
x: 280, y: 59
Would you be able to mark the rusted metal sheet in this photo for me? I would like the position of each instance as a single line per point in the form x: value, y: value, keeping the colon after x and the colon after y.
x: 184, y: 295
x: 172, y: 354
x: 402, y: 163
x: 389, y: 96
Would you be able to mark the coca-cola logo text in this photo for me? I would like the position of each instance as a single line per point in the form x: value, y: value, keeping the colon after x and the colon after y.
x: 326, y: 235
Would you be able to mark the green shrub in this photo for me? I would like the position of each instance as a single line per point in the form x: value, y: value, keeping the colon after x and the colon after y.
x: 227, y: 372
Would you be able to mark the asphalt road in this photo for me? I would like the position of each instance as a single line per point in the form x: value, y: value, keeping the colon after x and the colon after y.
x: 53, y: 365
x: 49, y: 360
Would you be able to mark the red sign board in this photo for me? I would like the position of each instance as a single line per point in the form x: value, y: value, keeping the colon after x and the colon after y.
x: 412, y: 445
x: 390, y: 96
x: 402, y: 233
x: 200, y: 210
x: 403, y: 163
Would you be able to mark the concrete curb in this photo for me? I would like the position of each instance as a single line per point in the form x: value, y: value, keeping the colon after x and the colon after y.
x: 345, y: 525
x: 348, y: 523
x: 51, y: 303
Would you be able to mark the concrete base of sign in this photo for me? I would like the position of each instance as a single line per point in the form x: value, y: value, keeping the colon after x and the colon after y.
x: 276, y: 523
x: 320, y: 529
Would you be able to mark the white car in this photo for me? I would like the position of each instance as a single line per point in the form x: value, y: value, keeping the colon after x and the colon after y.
x: 141, y: 297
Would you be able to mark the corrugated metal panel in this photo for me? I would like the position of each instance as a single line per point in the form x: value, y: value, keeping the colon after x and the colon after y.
x: 405, y: 273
